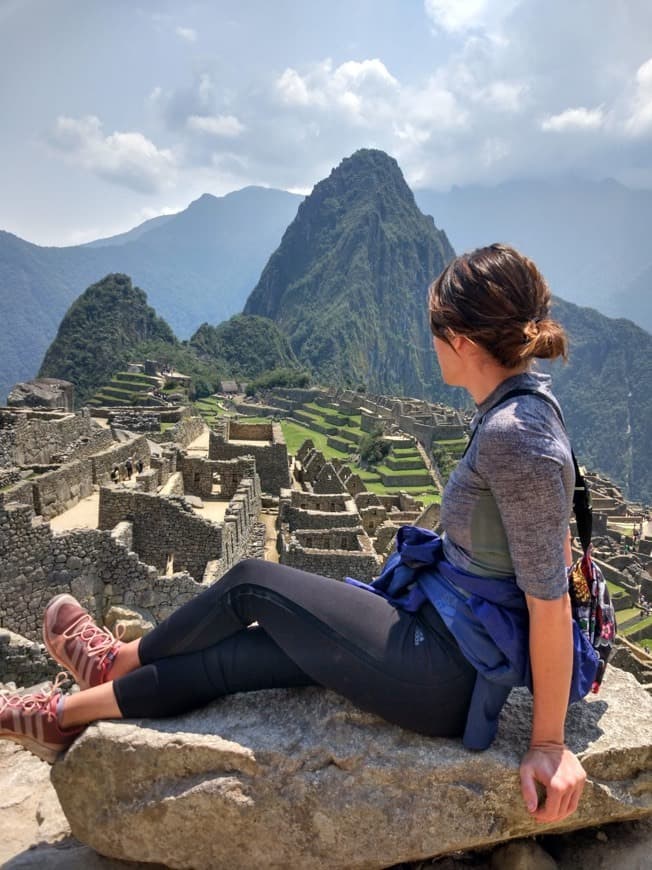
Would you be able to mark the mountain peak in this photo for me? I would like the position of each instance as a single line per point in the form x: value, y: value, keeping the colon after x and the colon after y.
x: 358, y: 250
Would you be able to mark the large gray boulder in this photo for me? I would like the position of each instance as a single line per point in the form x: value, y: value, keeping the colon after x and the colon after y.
x: 302, y: 779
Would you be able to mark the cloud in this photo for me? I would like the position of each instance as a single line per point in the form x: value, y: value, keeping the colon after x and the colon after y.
x: 129, y: 159
x: 354, y: 87
x: 574, y: 119
x: 187, y: 34
x: 216, y: 125
x: 640, y: 120
x: 457, y: 16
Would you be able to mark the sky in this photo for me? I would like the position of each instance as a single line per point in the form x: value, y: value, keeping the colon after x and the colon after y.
x: 114, y: 112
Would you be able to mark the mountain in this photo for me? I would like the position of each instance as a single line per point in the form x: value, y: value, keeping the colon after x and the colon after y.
x: 606, y: 393
x: 101, y: 332
x: 198, y: 265
x: 246, y: 346
x: 348, y: 282
x: 111, y: 324
x: 590, y: 239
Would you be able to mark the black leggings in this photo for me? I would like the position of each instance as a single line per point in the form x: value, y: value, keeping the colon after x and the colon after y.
x: 310, y: 630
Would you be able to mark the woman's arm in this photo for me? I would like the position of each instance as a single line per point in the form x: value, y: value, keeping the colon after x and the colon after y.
x: 548, y: 760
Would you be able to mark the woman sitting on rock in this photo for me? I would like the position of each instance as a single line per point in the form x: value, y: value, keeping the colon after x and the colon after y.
x: 426, y: 652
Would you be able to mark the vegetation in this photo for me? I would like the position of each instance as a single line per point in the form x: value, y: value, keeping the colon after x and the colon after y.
x: 278, y: 377
x: 100, y: 334
x: 348, y: 283
x: 245, y: 346
x: 373, y: 448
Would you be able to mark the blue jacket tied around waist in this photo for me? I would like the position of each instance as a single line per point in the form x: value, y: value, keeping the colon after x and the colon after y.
x: 487, y: 616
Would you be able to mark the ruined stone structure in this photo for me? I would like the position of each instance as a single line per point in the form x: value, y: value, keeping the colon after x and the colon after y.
x: 168, y: 534
x: 263, y: 441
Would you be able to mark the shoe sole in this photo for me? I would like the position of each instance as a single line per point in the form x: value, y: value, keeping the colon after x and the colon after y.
x: 57, y: 600
x: 33, y: 746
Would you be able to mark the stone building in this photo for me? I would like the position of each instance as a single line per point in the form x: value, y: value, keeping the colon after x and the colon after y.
x: 263, y: 441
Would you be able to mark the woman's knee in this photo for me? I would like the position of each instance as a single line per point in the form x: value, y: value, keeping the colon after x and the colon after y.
x: 244, y: 571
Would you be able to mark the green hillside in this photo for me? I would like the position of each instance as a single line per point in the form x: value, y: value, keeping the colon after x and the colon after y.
x: 101, y: 332
x: 197, y: 265
x: 246, y: 346
x: 348, y: 283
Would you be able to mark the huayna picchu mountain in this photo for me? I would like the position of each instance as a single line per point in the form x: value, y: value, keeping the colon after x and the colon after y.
x: 348, y: 283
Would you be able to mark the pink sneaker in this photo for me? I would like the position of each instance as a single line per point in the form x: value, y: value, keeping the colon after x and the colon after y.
x: 31, y: 720
x: 74, y: 640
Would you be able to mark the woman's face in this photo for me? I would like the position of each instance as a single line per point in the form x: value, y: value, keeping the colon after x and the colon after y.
x: 450, y: 363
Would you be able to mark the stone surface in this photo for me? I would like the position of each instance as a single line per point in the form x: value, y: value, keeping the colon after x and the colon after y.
x: 128, y: 623
x: 302, y: 779
x: 29, y: 809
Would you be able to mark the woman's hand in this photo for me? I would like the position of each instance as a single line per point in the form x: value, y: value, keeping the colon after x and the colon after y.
x: 555, y: 767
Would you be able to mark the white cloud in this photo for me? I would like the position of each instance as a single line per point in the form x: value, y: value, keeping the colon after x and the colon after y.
x: 504, y: 96
x: 355, y: 87
x: 129, y: 159
x: 640, y: 120
x: 457, y: 16
x: 216, y: 125
x: 574, y: 119
x: 187, y: 34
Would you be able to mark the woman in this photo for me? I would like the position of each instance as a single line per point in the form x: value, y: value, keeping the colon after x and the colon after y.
x: 505, y: 512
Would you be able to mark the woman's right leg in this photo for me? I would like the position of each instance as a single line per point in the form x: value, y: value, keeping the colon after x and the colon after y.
x: 246, y: 661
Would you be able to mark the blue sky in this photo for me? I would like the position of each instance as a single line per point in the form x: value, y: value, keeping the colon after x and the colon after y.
x: 114, y: 112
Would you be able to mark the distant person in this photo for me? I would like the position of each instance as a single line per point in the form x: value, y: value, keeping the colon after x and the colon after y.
x: 139, y: 465
x: 418, y: 655
x: 129, y: 468
x: 115, y: 474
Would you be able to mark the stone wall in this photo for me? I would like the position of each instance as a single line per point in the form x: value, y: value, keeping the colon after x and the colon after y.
x: 166, y: 530
x: 271, y: 455
x: 34, y: 437
x: 57, y: 491
x: 182, y: 433
x: 23, y: 661
x: 338, y: 564
x: 197, y: 475
x: 171, y: 536
x: 119, y: 452
x: 136, y: 421
x: 91, y: 564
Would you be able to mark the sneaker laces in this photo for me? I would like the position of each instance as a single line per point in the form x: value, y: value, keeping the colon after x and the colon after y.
x: 98, y: 641
x: 35, y: 702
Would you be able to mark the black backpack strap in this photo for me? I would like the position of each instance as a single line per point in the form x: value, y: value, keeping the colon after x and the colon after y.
x: 582, y: 507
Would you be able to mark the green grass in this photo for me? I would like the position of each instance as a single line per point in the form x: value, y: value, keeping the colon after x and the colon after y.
x: 296, y: 434
x: 408, y: 472
x: 636, y: 626
x: 646, y: 643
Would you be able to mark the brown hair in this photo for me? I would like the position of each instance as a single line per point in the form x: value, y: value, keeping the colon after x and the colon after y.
x: 499, y: 299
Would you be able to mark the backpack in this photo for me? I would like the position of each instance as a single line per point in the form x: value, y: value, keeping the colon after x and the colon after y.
x: 588, y: 591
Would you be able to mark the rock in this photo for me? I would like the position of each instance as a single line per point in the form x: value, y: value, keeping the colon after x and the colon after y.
x: 301, y: 778
x: 132, y: 621
x: 523, y: 855
x: 627, y: 846
x: 194, y: 501
x: 29, y: 808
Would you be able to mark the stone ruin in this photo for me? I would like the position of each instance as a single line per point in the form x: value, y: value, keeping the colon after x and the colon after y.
x: 263, y: 441
x: 150, y: 551
x: 333, y: 525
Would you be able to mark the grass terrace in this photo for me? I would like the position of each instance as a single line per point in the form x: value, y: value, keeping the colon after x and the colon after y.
x: 345, y: 431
